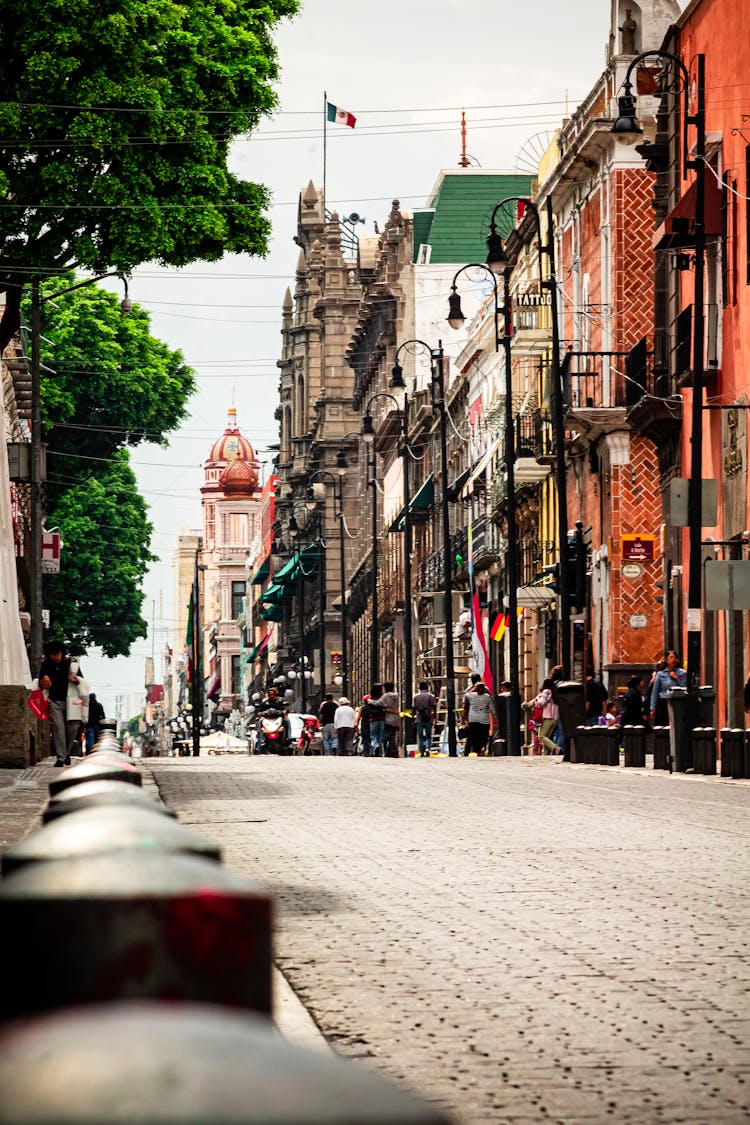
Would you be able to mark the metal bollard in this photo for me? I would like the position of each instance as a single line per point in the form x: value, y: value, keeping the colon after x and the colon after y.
x: 92, y: 770
x: 704, y: 750
x: 140, y: 1063
x: 610, y: 745
x: 100, y: 831
x: 738, y: 753
x: 98, y: 794
x: 661, y: 748
x: 698, y: 738
x: 578, y: 748
x: 634, y: 743
x: 133, y: 924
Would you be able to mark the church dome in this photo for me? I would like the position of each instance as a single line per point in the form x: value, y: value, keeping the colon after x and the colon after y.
x: 232, y: 446
x: 239, y: 479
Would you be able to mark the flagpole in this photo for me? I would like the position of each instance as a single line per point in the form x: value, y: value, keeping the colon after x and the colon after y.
x: 325, y: 146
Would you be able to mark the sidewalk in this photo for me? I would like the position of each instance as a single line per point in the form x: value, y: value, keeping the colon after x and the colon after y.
x: 23, y: 798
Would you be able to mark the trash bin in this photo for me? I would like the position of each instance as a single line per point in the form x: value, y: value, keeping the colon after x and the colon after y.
x: 571, y: 701
x: 679, y: 705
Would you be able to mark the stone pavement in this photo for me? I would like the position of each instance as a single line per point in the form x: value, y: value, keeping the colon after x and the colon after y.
x: 521, y: 940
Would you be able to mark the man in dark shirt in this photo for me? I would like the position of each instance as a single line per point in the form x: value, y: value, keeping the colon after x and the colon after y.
x: 326, y: 714
x: 54, y: 677
x: 596, y: 698
x: 423, y: 706
x: 96, y: 714
x: 273, y: 706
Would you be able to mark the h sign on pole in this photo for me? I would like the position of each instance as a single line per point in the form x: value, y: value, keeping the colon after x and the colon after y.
x: 51, y: 544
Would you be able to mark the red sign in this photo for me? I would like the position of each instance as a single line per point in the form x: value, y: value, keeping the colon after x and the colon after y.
x: 638, y: 548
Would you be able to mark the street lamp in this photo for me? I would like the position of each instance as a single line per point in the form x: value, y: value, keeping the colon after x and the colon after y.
x: 37, y: 474
x: 498, y: 262
x: 456, y: 319
x: 368, y: 436
x: 337, y: 482
x: 628, y: 130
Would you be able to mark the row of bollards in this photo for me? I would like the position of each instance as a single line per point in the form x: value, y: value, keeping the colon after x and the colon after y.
x: 597, y: 746
x: 139, y: 976
x: 735, y: 753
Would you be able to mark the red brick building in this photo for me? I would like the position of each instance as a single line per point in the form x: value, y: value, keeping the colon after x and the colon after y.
x: 602, y: 199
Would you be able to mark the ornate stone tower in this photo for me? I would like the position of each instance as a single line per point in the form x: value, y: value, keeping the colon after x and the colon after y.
x: 230, y: 499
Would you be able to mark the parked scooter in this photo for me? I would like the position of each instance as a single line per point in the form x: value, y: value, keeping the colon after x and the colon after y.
x: 310, y: 725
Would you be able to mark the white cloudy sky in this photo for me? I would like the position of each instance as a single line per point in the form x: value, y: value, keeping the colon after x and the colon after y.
x: 405, y: 68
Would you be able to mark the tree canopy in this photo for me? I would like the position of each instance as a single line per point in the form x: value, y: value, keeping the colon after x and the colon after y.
x: 107, y: 384
x: 115, y: 128
x: 107, y: 381
x: 96, y: 598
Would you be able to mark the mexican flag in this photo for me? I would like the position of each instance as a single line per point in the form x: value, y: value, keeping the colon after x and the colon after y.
x: 340, y: 116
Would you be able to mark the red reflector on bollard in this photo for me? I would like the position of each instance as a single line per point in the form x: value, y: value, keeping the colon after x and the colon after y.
x: 133, y: 924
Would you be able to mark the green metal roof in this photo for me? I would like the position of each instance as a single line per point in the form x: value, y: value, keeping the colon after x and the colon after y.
x: 463, y: 205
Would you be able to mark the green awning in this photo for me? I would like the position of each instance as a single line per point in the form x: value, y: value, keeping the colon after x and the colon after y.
x: 308, y: 558
x: 424, y: 497
x: 272, y: 613
x: 262, y: 572
x: 276, y: 595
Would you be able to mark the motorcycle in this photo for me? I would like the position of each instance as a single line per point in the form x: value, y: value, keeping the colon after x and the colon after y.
x: 310, y: 725
x: 273, y: 730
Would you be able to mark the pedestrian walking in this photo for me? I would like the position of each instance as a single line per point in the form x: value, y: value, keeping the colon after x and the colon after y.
x: 343, y: 722
x: 596, y: 698
x: 424, y: 707
x: 55, y: 676
x: 392, y: 717
x: 362, y: 723
x: 633, y: 704
x: 96, y: 714
x: 326, y: 714
x: 549, y: 717
x: 669, y: 677
x: 377, y: 721
x: 478, y: 717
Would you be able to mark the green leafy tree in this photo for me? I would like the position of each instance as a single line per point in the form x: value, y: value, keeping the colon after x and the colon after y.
x: 96, y: 598
x: 107, y: 383
x: 134, y: 725
x: 115, y: 128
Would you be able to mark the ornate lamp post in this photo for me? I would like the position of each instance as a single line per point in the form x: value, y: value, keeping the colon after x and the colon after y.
x: 337, y: 482
x: 456, y: 319
x: 497, y: 261
x: 628, y: 130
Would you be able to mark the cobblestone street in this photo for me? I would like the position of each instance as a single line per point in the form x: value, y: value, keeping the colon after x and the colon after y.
x: 520, y: 940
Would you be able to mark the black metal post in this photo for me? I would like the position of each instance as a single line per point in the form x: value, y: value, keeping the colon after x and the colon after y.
x: 450, y: 672
x: 197, y: 692
x: 374, y: 632
x: 301, y: 600
x: 322, y: 599
x: 558, y: 432
x: 339, y: 498
x: 408, y: 688
x: 695, y: 509
x: 511, y: 555
x: 36, y: 480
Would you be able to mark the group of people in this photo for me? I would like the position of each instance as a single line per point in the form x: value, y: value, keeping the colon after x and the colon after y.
x: 635, y: 706
x: 60, y: 676
x: 377, y: 720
